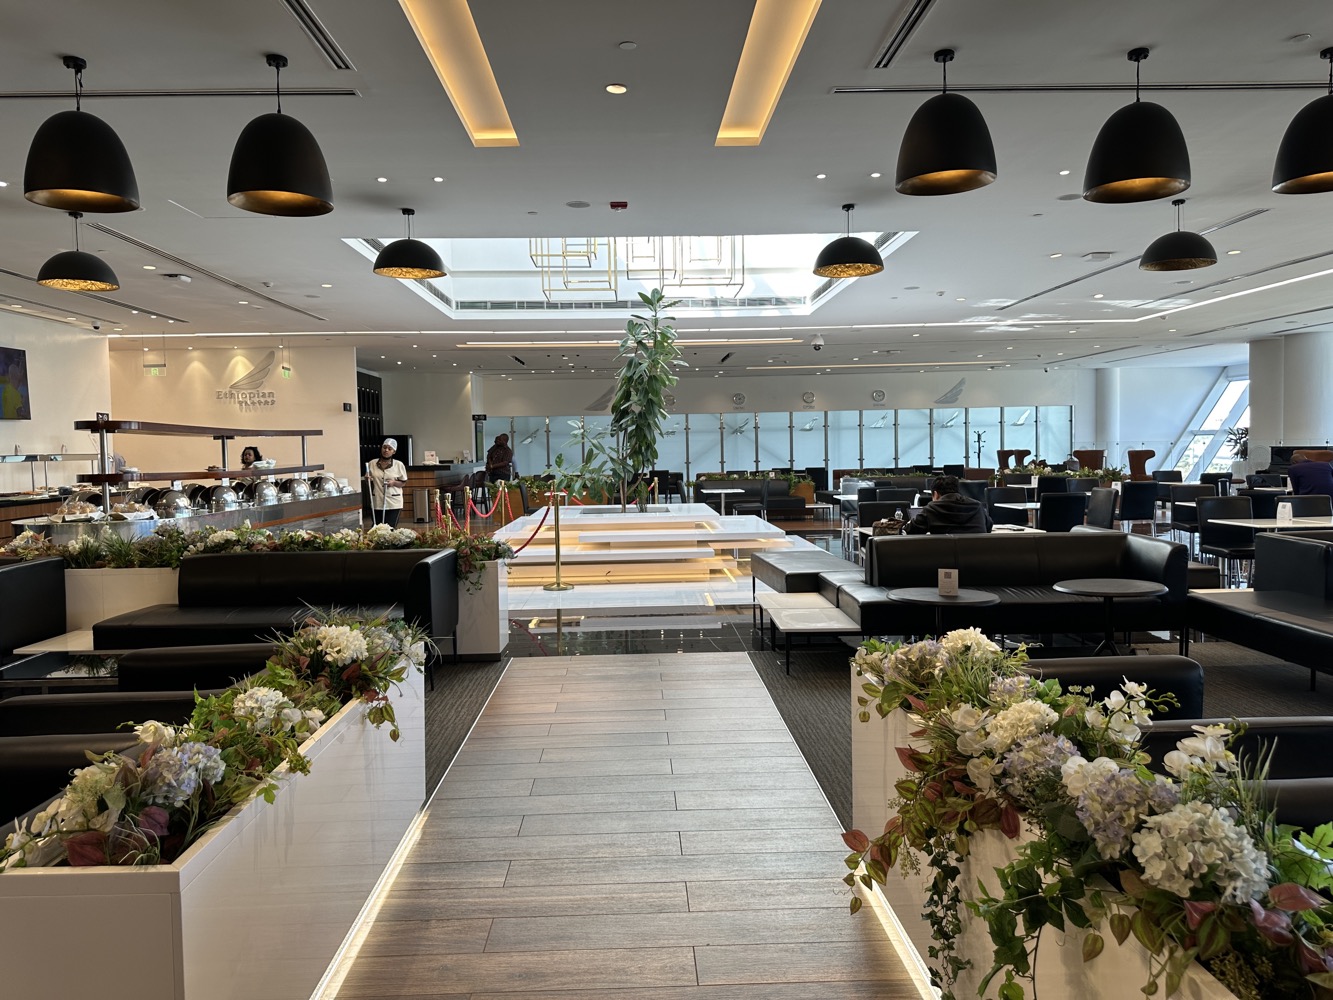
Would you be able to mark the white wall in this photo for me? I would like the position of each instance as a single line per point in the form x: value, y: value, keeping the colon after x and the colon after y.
x: 68, y: 380
x: 435, y: 409
x: 322, y: 379
x: 1156, y: 404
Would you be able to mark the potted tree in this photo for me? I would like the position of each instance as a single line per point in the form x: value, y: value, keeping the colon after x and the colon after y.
x: 1238, y: 440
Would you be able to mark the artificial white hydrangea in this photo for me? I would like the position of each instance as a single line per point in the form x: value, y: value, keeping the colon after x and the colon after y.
x: 870, y: 661
x: 381, y: 536
x: 1196, y: 843
x: 341, y: 645
x: 1077, y: 773
x: 1020, y: 721
x: 175, y: 774
x: 262, y: 707
x: 961, y: 641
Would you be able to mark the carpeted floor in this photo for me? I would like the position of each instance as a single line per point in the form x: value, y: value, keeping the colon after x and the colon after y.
x: 815, y: 701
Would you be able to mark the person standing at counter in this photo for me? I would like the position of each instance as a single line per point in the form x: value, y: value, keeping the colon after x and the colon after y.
x: 387, y: 478
x: 500, y: 459
x: 250, y: 456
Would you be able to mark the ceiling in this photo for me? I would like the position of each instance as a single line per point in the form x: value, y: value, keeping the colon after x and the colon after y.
x: 978, y: 285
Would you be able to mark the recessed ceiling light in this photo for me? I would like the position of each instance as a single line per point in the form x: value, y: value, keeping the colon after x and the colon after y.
x: 150, y: 267
x: 1060, y: 354
x: 15, y: 305
x: 1171, y: 330
x: 1232, y: 253
x: 1064, y: 173
x: 134, y: 312
x: 1008, y: 348
x: 119, y: 328
x: 434, y: 355
x: 4, y: 184
x: 171, y: 321
x: 628, y: 45
x: 1055, y: 255
x: 242, y: 302
x: 152, y: 315
x: 1098, y: 295
x: 326, y: 286
x: 1096, y: 345
x: 960, y: 300
x: 916, y: 335
x: 876, y: 174
x: 820, y: 177
x: 399, y: 362
x: 856, y: 359
x: 382, y: 180
x: 437, y: 180
x: 616, y: 88
x: 981, y: 355
x: 145, y: 350
x: 381, y: 357
x: 189, y: 348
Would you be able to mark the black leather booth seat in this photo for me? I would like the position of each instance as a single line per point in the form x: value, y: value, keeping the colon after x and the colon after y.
x: 1289, y: 610
x: 32, y: 602
x: 94, y: 712
x: 794, y: 571
x: 35, y: 768
x: 245, y: 597
x: 1300, y: 785
x: 1177, y: 675
x: 1021, y: 570
x: 177, y: 668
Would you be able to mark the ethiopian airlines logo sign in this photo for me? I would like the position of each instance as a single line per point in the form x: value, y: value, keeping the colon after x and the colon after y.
x: 247, y: 392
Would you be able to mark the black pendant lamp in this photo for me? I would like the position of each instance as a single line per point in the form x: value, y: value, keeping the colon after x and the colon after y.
x: 848, y: 256
x: 947, y: 147
x: 409, y: 258
x: 1305, y: 158
x: 77, y: 163
x: 1178, y: 251
x: 1139, y: 154
x: 277, y: 167
x: 76, y: 271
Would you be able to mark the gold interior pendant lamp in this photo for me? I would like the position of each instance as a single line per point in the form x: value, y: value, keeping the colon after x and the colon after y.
x: 848, y: 256
x: 77, y: 271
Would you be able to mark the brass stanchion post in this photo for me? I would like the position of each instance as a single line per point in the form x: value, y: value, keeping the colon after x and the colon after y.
x: 558, y: 585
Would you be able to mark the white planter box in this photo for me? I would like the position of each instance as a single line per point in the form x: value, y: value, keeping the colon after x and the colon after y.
x: 94, y: 594
x: 254, y: 910
x: 483, y: 615
x: 1061, y: 972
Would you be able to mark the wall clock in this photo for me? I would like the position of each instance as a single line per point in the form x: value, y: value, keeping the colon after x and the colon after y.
x: 877, y: 395
x: 738, y: 398
x: 807, y: 398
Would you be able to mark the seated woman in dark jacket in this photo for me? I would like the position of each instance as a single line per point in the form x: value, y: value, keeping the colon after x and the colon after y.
x: 950, y: 513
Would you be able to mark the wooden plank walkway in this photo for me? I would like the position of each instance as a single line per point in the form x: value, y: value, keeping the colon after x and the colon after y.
x: 631, y: 827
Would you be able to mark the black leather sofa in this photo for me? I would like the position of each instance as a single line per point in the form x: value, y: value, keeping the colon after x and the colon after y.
x: 1299, y: 786
x: 32, y: 603
x: 1021, y: 570
x: 1177, y: 675
x: 177, y: 668
x: 34, y: 768
x: 795, y: 571
x: 1288, y: 610
x: 245, y: 597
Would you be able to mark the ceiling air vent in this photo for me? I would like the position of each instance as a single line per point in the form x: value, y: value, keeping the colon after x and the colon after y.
x: 318, y: 34
x: 909, y: 18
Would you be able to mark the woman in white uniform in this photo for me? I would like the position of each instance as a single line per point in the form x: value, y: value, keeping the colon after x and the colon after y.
x: 387, y: 478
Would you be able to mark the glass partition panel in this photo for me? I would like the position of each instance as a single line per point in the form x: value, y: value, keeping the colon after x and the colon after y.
x: 1019, y: 431
x: 844, y: 442
x: 877, y: 438
x: 531, y: 457
x: 913, y: 438
x: 808, y: 439
x: 774, y: 440
x: 567, y: 439
x: 705, y: 455
x: 671, y: 444
x: 950, y: 436
x: 738, y: 445
x: 983, y: 420
x: 1055, y: 433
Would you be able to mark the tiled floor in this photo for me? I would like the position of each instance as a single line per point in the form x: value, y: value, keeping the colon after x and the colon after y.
x: 636, y: 826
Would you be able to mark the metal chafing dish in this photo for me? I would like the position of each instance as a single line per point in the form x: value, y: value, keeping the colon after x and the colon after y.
x: 197, y: 492
x: 324, y: 486
x: 262, y: 493
x: 146, y: 495
x: 93, y: 497
x: 295, y: 489
x: 173, y: 503
x: 220, y: 498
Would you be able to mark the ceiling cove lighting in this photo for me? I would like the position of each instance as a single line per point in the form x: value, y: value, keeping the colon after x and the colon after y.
x: 449, y: 37
x: 1178, y: 251
x: 1305, y: 158
x: 947, y: 147
x: 409, y: 258
x: 76, y: 271
x: 277, y: 167
x: 848, y: 256
x: 77, y: 163
x: 1139, y: 154
x: 777, y: 33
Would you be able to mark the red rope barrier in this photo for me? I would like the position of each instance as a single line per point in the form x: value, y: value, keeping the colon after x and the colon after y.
x: 540, y: 523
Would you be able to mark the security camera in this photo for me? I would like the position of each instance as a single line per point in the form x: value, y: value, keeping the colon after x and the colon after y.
x: 817, y: 342
x: 97, y: 325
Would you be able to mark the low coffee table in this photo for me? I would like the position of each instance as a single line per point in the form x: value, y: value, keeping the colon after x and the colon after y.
x: 809, y: 619
x: 932, y: 595
x: 1109, y: 589
x: 50, y: 671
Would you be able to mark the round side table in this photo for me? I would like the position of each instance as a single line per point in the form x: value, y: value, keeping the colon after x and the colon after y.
x: 1110, y: 589
x: 932, y: 595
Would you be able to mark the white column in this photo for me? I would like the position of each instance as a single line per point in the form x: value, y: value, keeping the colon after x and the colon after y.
x: 1307, y: 403
x: 1108, y: 415
x: 1267, y: 377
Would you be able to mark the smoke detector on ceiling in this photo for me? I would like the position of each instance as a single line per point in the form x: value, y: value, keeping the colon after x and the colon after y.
x: 1098, y: 255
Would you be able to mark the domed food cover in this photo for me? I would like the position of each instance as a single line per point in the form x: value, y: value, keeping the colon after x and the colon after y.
x: 298, y: 488
x: 324, y: 486
x: 173, y: 503
x: 221, y: 497
x: 263, y: 493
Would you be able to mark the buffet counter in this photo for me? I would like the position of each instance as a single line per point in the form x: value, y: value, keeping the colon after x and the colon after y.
x: 323, y: 514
